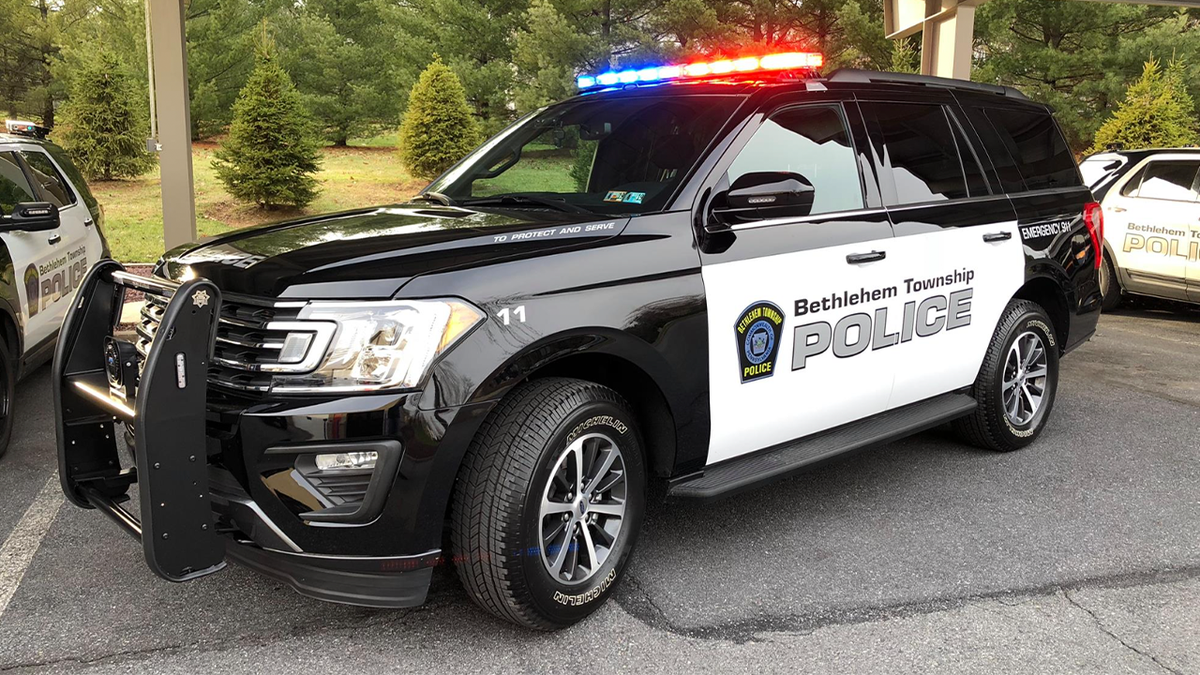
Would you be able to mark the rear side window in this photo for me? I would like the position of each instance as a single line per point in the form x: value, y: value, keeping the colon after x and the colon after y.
x: 1173, y: 181
x: 54, y: 186
x: 922, y: 148
x: 1037, y: 146
x: 811, y: 141
x: 14, y: 187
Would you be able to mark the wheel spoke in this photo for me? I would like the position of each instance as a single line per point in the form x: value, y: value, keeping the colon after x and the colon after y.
x: 1012, y: 405
x: 560, y: 555
x: 1036, y: 373
x: 551, y: 507
x: 614, y: 479
x: 616, y: 509
x: 602, y: 536
x: 593, y: 561
x: 577, y: 451
x: 572, y: 559
x: 605, y: 464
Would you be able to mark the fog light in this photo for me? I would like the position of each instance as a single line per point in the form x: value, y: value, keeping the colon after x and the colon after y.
x: 346, y: 460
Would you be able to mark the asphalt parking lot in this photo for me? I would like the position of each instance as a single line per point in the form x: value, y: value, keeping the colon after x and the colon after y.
x: 1079, y: 554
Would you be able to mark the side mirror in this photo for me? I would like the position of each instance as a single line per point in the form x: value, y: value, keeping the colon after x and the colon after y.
x: 764, y: 194
x: 30, y: 217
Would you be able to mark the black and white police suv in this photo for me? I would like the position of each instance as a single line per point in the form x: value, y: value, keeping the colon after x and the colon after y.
x: 1151, y: 201
x: 711, y: 275
x: 49, y: 235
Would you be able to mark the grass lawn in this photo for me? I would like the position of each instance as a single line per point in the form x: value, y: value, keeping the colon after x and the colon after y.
x: 350, y: 178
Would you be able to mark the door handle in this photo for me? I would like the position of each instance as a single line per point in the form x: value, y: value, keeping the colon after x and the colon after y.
x: 1117, y: 209
x: 89, y: 222
x: 54, y: 238
x: 859, y: 258
x: 997, y: 236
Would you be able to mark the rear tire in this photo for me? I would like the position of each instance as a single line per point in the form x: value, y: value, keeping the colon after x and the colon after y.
x: 8, y: 385
x: 1110, y: 286
x: 549, y: 502
x: 1017, y: 382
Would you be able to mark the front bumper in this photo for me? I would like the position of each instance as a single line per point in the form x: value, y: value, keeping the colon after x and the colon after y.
x: 219, y: 477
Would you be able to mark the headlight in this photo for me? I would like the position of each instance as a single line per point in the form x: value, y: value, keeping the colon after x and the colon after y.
x: 366, y: 346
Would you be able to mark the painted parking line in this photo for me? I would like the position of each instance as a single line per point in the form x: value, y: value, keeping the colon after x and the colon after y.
x: 25, y: 539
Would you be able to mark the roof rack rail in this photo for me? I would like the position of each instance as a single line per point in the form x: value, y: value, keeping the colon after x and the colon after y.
x: 854, y: 75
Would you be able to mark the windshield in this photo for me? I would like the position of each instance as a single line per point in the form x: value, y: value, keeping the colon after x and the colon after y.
x: 612, y: 156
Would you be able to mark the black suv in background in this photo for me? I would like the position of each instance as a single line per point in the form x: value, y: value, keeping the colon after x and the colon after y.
x: 708, y: 279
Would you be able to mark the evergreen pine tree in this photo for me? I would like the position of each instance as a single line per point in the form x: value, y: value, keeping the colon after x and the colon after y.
x: 438, y: 129
x: 101, y: 126
x: 271, y: 152
x: 1157, y: 112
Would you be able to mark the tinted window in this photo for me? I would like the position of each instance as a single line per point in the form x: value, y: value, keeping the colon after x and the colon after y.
x: 1168, y: 180
x: 54, y: 187
x: 14, y: 188
x: 920, y: 147
x: 811, y: 141
x: 1037, y: 146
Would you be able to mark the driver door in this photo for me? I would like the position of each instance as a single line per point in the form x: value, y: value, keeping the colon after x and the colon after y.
x: 782, y: 361
x: 36, y: 258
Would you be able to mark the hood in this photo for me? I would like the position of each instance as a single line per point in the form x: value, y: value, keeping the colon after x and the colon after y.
x: 372, y: 253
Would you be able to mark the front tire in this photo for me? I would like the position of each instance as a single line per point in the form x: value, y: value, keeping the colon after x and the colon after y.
x: 8, y: 386
x: 1017, y: 382
x: 549, y: 502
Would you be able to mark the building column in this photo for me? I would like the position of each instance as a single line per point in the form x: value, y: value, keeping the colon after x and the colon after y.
x: 169, y: 46
x: 946, y: 41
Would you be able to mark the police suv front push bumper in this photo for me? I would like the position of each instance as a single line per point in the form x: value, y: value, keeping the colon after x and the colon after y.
x: 97, y: 384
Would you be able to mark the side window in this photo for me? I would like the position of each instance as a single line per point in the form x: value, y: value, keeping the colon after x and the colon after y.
x: 1131, y: 186
x: 1040, y: 151
x: 1174, y: 181
x: 920, y: 146
x: 54, y: 186
x: 14, y: 188
x: 811, y: 141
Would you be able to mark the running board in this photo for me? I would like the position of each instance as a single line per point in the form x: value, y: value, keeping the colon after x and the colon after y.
x: 744, y: 473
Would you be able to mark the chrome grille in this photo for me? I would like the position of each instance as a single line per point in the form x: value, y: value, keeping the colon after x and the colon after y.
x: 244, y: 344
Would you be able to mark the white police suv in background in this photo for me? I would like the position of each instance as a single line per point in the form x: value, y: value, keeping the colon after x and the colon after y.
x: 49, y: 237
x: 1151, y: 202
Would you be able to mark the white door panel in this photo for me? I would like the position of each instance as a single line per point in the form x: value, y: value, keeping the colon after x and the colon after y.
x: 977, y: 279
x: 793, y: 401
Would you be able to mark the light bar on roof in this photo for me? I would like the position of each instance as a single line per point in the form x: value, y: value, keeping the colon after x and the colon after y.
x: 748, y: 64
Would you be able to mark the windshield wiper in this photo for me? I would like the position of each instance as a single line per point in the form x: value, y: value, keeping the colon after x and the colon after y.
x: 527, y: 200
x: 436, y: 197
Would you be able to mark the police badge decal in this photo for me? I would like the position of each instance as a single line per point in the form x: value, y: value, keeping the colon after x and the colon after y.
x: 758, y: 331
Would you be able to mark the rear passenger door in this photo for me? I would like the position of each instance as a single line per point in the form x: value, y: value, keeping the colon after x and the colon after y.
x: 957, y: 251
x: 781, y: 363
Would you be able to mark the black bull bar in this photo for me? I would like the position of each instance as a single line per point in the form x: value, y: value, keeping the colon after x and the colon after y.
x: 97, y: 384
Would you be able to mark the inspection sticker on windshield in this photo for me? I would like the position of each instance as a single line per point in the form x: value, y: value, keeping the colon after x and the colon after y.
x: 634, y: 197
x: 615, y: 196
